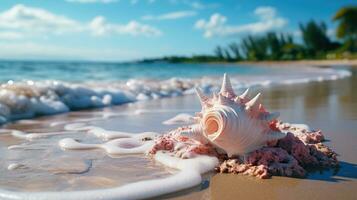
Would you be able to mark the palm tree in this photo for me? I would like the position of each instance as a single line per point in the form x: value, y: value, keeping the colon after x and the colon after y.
x: 219, y: 52
x: 347, y: 27
x: 234, y: 47
x: 315, y: 37
x: 254, y: 47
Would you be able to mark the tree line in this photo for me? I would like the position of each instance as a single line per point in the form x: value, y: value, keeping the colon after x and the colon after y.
x: 316, y: 43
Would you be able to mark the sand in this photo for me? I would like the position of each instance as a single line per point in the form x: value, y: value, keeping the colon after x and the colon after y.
x: 330, y: 106
x: 316, y: 63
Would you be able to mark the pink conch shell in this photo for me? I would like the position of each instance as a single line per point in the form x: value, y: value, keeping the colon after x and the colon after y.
x: 233, y: 123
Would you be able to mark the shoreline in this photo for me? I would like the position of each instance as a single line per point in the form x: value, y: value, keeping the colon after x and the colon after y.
x: 314, y: 63
x: 290, y: 63
x: 66, y: 96
x: 319, y: 104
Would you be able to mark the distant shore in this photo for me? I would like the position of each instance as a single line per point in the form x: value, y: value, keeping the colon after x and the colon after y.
x: 211, y: 60
x: 303, y: 62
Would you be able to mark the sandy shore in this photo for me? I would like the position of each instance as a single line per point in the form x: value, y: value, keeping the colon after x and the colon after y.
x: 316, y: 63
x: 330, y: 106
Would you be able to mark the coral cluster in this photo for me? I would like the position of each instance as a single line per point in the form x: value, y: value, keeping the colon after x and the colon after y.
x: 247, y: 138
x: 290, y: 156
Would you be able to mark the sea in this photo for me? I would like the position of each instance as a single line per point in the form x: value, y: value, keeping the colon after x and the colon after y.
x: 34, y: 88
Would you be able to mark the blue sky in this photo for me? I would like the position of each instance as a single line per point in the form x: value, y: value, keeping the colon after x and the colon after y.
x: 121, y: 30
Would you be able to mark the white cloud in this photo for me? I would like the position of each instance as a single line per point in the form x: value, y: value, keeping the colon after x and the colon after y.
x: 216, y: 25
x: 29, y: 21
x: 200, y: 5
x: 91, y: 1
x: 265, y: 12
x: 100, y: 27
x: 30, y: 50
x: 171, y: 15
x: 10, y: 35
x: 195, y: 4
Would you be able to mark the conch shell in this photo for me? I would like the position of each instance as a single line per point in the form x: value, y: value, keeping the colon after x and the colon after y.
x: 235, y: 124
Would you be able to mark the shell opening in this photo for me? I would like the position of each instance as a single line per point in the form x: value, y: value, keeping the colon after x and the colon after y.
x: 212, y: 126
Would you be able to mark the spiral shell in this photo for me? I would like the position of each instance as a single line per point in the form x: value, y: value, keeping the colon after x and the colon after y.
x: 235, y: 124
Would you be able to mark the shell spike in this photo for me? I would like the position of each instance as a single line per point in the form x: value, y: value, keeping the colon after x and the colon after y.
x: 245, y: 94
x: 226, y: 88
x: 203, y: 98
x: 237, y: 100
x: 223, y: 100
x: 253, y: 105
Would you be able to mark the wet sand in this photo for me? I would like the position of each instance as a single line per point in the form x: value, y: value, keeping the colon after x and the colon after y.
x: 316, y: 63
x: 330, y: 106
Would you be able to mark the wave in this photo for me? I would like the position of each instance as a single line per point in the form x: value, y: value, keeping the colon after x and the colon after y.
x: 28, y: 99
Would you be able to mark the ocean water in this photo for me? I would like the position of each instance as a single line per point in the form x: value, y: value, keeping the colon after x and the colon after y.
x: 29, y: 88
x: 90, y: 71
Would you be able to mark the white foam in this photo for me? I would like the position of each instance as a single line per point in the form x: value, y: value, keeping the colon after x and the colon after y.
x: 32, y: 136
x: 20, y: 100
x: 119, y: 142
x: 180, y: 119
x: 14, y: 166
x: 114, y: 147
x: 108, y: 135
x: 189, y: 174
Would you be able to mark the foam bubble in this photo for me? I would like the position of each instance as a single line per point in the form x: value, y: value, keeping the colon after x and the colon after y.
x: 33, y: 136
x: 14, y: 166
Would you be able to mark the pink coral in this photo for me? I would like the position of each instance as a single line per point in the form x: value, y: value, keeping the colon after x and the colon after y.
x: 289, y: 156
x: 181, y: 146
x: 263, y: 163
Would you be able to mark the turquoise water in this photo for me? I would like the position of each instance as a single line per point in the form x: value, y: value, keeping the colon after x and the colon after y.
x: 84, y: 71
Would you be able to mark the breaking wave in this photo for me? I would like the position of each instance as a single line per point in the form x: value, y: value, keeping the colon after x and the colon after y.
x: 28, y: 99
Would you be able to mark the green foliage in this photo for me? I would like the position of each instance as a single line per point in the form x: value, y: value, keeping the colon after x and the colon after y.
x: 234, y: 48
x: 184, y: 59
x: 315, y: 37
x: 219, y: 52
x: 347, y: 27
x: 271, y: 46
x: 254, y: 48
x: 280, y: 46
x: 347, y: 18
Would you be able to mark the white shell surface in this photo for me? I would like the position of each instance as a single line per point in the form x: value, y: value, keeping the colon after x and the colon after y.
x: 234, y: 124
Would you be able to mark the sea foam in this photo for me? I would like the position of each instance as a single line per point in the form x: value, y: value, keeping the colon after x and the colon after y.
x: 189, y: 175
x: 28, y: 99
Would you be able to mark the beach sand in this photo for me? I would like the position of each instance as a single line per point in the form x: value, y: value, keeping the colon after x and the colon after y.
x: 316, y: 63
x: 330, y: 106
